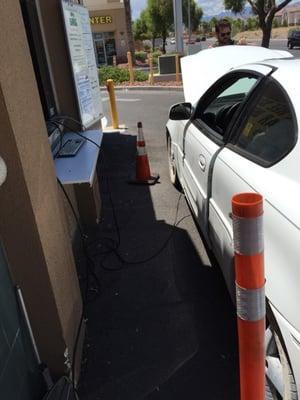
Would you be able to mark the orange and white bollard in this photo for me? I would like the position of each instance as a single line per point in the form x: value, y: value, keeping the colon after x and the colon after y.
x: 247, y: 214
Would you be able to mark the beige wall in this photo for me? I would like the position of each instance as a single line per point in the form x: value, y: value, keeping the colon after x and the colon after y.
x: 33, y: 226
x: 96, y: 5
x: 117, y: 26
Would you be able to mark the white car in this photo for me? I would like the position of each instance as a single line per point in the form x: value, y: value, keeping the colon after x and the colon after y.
x: 238, y: 132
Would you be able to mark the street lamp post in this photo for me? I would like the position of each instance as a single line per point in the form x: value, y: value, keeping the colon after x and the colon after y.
x: 189, y: 20
x: 177, y: 7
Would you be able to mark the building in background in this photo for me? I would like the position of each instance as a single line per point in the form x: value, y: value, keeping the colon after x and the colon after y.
x: 290, y: 14
x: 108, y: 23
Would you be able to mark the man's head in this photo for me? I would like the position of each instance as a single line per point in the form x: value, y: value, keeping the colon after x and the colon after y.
x: 223, y: 31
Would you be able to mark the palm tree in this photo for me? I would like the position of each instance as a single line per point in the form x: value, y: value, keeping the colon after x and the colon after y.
x: 129, y: 29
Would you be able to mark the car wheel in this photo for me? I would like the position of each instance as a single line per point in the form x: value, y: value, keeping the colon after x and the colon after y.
x: 172, y: 166
x: 280, y: 381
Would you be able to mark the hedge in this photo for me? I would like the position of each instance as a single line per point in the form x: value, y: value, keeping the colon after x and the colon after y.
x: 141, y: 56
x: 119, y: 75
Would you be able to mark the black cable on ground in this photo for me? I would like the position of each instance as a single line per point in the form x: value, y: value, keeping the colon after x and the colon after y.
x: 114, y: 248
x: 159, y: 251
x: 111, y: 249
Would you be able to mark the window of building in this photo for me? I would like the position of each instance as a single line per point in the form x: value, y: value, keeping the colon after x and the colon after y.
x: 105, y: 47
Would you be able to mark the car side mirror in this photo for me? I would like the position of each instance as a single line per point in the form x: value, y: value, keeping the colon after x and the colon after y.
x: 181, y: 111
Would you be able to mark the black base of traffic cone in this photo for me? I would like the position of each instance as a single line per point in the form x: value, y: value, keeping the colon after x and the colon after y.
x: 152, y: 180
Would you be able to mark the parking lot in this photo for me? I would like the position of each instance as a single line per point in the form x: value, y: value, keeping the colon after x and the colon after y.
x: 164, y: 325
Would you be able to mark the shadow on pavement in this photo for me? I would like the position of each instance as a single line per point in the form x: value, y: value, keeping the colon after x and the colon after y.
x: 160, y: 329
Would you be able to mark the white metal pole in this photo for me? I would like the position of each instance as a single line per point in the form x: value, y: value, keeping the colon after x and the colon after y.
x: 177, y: 7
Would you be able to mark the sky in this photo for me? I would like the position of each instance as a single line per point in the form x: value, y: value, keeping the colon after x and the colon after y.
x: 210, y: 7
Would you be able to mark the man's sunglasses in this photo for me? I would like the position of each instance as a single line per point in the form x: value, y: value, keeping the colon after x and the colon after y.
x: 225, y: 34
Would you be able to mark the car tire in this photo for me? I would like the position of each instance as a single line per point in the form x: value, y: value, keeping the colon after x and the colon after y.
x: 279, y: 385
x: 172, y: 167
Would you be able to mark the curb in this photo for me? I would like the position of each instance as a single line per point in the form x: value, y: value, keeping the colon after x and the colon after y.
x: 154, y: 88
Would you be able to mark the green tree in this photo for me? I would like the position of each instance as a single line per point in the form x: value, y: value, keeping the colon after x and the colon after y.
x: 142, y: 27
x: 251, y: 24
x: 275, y: 23
x: 196, y: 14
x: 205, y: 27
x: 241, y: 24
x: 161, y: 17
x: 264, y: 9
x: 212, y: 23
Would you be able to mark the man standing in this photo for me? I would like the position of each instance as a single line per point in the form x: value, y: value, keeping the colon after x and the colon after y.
x: 223, y: 33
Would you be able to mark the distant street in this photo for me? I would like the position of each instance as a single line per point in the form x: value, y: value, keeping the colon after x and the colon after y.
x: 278, y: 44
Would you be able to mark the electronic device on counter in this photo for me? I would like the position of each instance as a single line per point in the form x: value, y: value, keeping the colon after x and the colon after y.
x: 70, y: 148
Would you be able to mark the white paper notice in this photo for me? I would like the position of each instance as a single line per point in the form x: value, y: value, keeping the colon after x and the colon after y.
x: 83, y: 61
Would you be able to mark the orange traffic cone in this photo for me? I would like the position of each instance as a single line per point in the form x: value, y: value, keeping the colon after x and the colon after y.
x: 143, y: 174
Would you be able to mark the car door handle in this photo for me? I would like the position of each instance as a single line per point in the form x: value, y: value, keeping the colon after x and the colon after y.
x: 202, y: 162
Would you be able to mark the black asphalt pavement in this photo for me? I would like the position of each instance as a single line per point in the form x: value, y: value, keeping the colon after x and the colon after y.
x: 163, y: 326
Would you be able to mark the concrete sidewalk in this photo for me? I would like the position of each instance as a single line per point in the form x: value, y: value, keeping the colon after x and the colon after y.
x: 162, y: 328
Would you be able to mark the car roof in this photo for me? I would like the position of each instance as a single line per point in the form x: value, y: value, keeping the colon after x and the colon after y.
x: 201, y: 70
x: 286, y: 71
x: 284, y: 64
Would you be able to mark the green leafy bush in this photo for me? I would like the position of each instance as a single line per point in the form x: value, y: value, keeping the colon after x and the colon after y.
x: 140, y: 76
x: 119, y: 75
x: 141, y: 56
x: 155, y: 56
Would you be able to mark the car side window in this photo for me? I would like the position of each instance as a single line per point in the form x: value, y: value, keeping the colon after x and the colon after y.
x: 218, y: 112
x: 269, y: 132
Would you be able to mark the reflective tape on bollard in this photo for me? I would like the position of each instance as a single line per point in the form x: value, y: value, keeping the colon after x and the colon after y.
x: 250, y: 303
x: 248, y: 235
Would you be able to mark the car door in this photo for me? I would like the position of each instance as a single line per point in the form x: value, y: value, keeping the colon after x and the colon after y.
x: 207, y: 134
x: 250, y: 162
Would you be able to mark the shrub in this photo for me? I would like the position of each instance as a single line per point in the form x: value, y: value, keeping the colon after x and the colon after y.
x: 119, y: 75
x: 155, y: 56
x: 141, y: 56
x: 140, y: 76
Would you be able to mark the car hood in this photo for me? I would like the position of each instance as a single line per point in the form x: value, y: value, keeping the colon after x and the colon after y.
x: 201, y: 70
